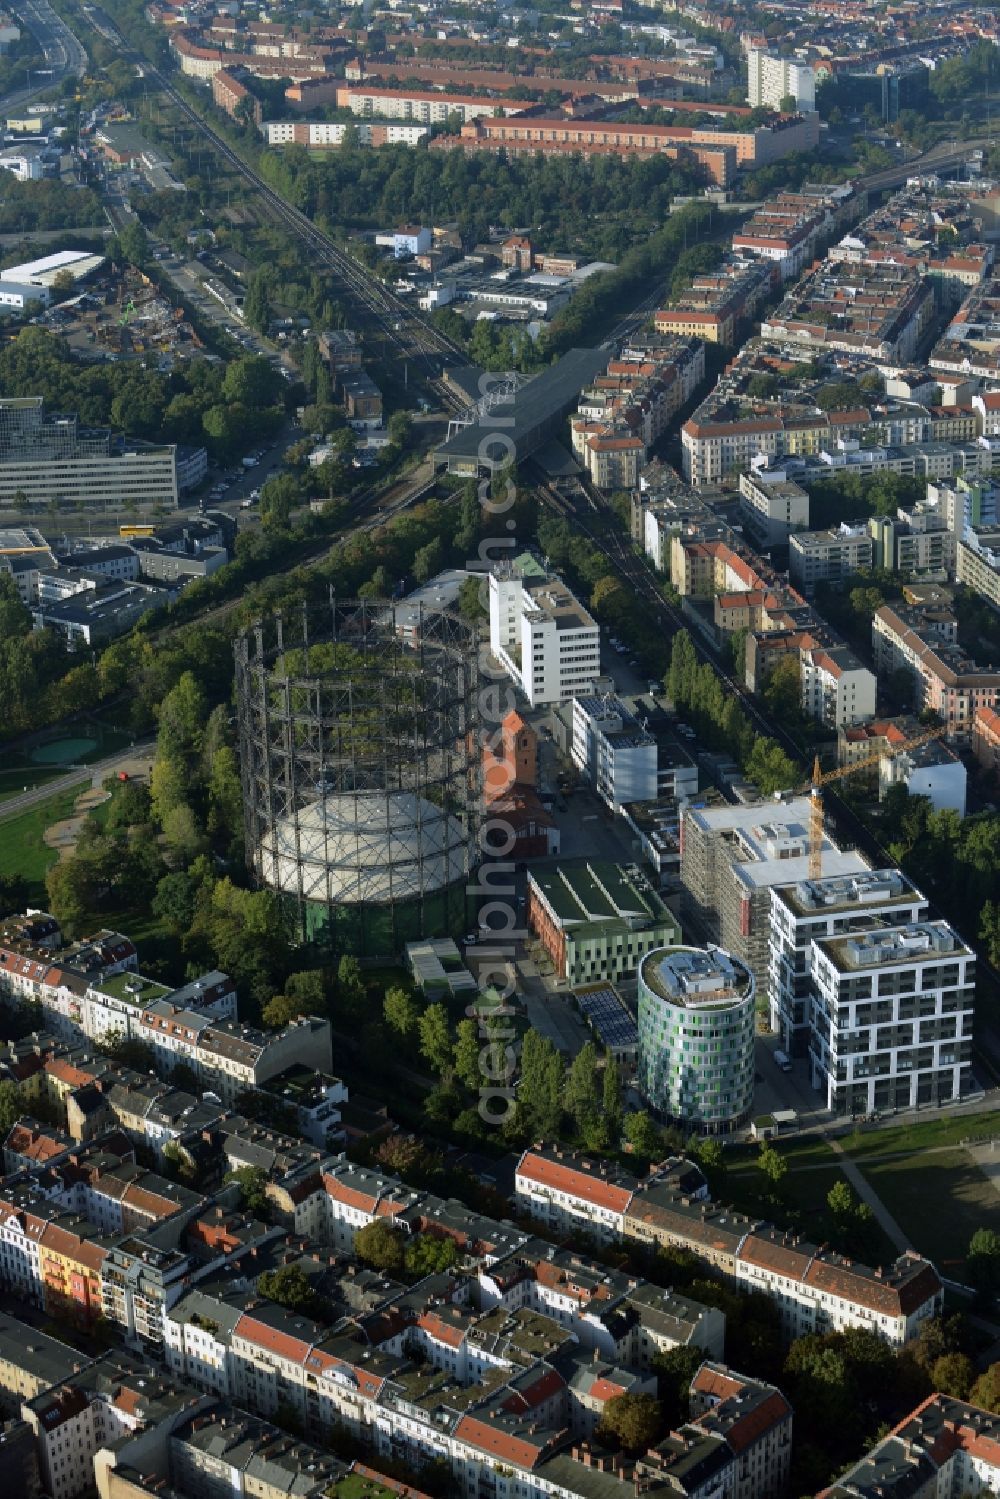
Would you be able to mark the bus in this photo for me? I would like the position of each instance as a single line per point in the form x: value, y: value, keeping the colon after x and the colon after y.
x: 126, y: 531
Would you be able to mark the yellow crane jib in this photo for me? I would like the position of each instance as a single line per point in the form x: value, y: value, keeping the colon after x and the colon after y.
x: 821, y: 778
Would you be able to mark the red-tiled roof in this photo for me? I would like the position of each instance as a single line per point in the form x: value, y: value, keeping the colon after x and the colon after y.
x: 584, y: 1185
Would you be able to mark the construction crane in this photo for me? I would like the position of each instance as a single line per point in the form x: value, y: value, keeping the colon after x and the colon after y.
x: 822, y: 778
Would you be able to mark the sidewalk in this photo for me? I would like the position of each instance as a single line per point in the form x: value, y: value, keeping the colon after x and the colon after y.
x: 867, y: 1194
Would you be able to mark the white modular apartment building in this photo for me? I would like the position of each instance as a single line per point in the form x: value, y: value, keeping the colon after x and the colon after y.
x: 811, y: 910
x: 612, y: 748
x: 540, y: 634
x: 892, y: 1017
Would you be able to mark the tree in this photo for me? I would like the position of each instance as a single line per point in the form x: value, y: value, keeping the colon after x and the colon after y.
x: 674, y: 1371
x: 841, y: 1201
x: 983, y: 1262
x: 772, y: 1163
x: 252, y: 1182
x: 11, y: 1106
x: 435, y: 1039
x: 429, y: 1254
x: 635, y: 1421
x: 134, y: 243
x: 644, y: 1135
x: 467, y: 1049
x: 401, y: 1012
x: 289, y: 1287
x: 182, y: 835
x: 580, y: 1089
x: 986, y: 1391
x: 770, y: 768
x: 252, y: 382
x: 257, y: 307
x: 429, y: 560
x: 540, y: 1095
x: 611, y: 1098
x: 174, y: 901
x: 787, y: 104
x: 954, y: 1374
x: 379, y: 1245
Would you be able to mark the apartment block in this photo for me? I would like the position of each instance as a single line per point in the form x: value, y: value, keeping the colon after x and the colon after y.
x: 428, y: 107
x: 771, y: 79
x: 829, y: 556
x: 564, y: 1192
x: 892, y: 1013
x: 731, y: 149
x: 817, y: 1291
x: 816, y: 909
x: 986, y: 738
x: 945, y: 1446
x: 788, y: 230
x: 943, y: 677
x: 978, y: 563
x: 772, y: 506
x: 881, y: 312
x: 545, y: 640
x: 317, y: 135
x: 756, y: 1421
x: 813, y: 1289
x: 718, y: 303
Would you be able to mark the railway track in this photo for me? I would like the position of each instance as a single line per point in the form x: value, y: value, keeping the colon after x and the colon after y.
x: 412, y: 335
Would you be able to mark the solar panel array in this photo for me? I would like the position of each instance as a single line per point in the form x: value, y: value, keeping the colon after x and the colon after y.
x: 609, y: 1017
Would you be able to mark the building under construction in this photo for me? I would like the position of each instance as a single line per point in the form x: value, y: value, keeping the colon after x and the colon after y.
x: 360, y: 779
x: 732, y: 856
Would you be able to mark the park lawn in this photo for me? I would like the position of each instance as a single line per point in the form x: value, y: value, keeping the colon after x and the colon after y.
x: 800, y: 1150
x: 938, y: 1200
x: 920, y: 1136
x: 748, y: 1190
x: 22, y: 851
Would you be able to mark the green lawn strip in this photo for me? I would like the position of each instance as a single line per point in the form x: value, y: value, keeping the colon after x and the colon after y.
x: 22, y: 851
x: 917, y: 1137
x: 938, y: 1200
x: 799, y: 1150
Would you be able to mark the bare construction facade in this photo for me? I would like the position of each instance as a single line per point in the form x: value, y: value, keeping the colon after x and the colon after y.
x: 732, y: 857
x: 360, y: 773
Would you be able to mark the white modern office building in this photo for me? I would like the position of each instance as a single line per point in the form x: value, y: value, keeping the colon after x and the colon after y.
x: 540, y: 634
x: 770, y: 79
x: 696, y: 1037
x: 811, y: 910
x: 892, y: 1015
x: 46, y: 459
x: 614, y: 751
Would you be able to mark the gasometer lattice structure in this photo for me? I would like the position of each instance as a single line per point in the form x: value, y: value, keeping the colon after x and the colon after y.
x: 360, y: 771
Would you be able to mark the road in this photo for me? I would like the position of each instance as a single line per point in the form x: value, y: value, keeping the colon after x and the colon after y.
x: 133, y: 759
x: 64, y: 53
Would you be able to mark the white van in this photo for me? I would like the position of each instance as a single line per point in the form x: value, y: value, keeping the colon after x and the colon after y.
x: 782, y: 1060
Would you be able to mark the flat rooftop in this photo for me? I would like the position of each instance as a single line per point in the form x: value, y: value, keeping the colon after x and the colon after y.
x: 696, y: 977
x: 881, y: 887
x: 895, y: 946
x: 520, y: 423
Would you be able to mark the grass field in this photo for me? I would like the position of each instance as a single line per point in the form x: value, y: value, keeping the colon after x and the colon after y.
x: 938, y: 1199
x: 916, y: 1137
x: 22, y: 851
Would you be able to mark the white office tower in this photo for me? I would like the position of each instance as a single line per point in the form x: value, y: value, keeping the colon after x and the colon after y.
x: 831, y: 907
x: 892, y: 1015
x: 770, y: 79
x: 540, y: 634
